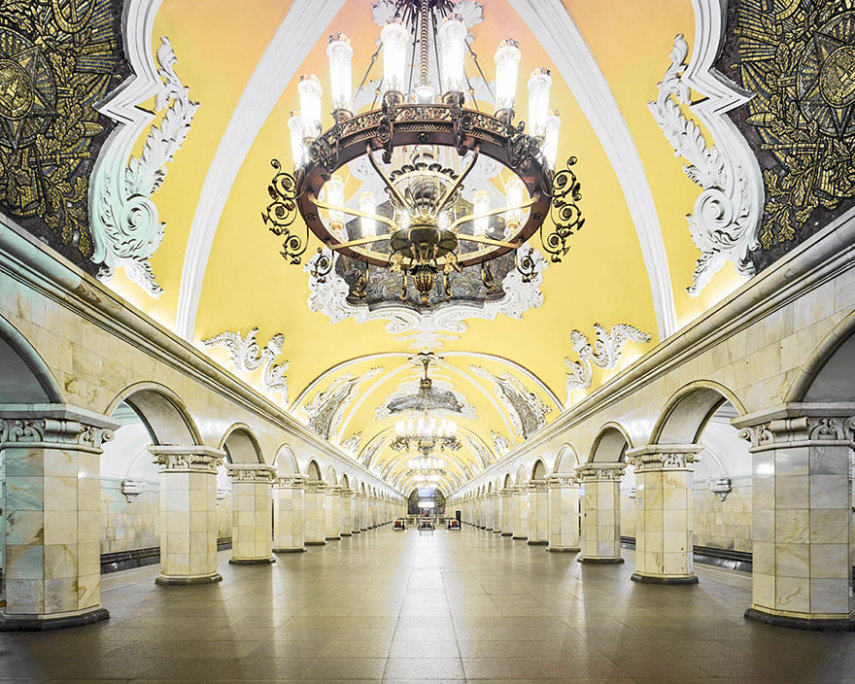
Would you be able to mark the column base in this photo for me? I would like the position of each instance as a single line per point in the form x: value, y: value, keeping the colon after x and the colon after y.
x: 202, y: 579
x: 652, y: 579
x: 817, y: 625
x: 290, y: 549
x: 346, y: 534
x: 251, y: 561
x: 600, y: 561
x: 507, y: 534
x: 356, y: 532
x: 333, y: 538
x: 28, y: 623
x: 497, y: 532
x: 564, y: 549
x: 535, y: 542
x: 519, y: 538
x: 315, y: 543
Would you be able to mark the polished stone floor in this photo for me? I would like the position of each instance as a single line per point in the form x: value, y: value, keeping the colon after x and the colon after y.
x: 458, y: 606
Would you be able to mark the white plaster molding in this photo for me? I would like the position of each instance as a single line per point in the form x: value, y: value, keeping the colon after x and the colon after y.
x: 525, y: 409
x: 550, y: 21
x: 326, y: 409
x: 351, y: 444
x: 302, y: 28
x: 501, y: 444
x: 604, y: 353
x: 245, y: 357
x: 125, y: 225
x: 411, y: 387
x: 428, y: 330
x: 727, y: 213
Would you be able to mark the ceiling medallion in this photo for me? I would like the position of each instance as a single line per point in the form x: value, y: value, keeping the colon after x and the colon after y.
x: 429, y: 133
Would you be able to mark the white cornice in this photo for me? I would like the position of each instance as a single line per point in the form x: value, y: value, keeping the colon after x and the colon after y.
x: 297, y: 34
x: 550, y: 21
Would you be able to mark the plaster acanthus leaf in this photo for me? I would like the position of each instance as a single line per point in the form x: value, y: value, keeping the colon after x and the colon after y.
x: 326, y: 409
x: 427, y: 330
x: 501, y: 444
x: 125, y: 224
x: 351, y: 444
x: 245, y: 357
x: 525, y: 409
x: 604, y: 353
x: 725, y: 221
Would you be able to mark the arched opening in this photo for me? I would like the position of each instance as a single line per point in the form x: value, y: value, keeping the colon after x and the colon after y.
x: 567, y: 460
x: 345, y: 481
x: 688, y: 411
x: 507, y: 482
x: 331, y: 478
x: 313, y: 471
x: 521, y: 476
x: 538, y: 472
x: 241, y: 446
x: 285, y: 461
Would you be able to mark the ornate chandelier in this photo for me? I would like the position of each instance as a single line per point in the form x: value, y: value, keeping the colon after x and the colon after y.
x: 430, y: 134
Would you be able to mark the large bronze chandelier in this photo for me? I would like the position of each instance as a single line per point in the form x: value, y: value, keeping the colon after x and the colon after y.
x: 427, y: 128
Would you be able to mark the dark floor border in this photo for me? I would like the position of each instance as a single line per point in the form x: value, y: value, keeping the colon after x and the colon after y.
x: 32, y: 625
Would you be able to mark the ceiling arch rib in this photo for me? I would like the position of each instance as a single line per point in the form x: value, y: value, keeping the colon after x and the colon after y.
x: 566, y: 47
x: 302, y: 28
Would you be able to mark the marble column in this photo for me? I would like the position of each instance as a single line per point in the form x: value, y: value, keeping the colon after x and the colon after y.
x: 802, y: 570
x: 332, y: 513
x: 563, y: 517
x: 346, y: 503
x: 497, y: 513
x: 538, y: 515
x: 188, y: 513
x: 663, y: 520
x: 356, y: 507
x: 314, y: 520
x: 53, y: 508
x: 507, y: 512
x: 487, y: 516
x: 252, y: 537
x: 520, y: 512
x: 288, y: 510
x: 600, y: 512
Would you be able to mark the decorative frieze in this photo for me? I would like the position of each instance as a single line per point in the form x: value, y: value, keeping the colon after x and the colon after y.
x: 251, y: 472
x: 798, y: 431
x: 200, y: 459
x: 55, y: 433
x: 600, y: 471
x: 663, y: 457
x: 290, y: 482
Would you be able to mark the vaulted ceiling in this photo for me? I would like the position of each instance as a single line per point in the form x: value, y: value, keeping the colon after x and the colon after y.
x: 505, y: 368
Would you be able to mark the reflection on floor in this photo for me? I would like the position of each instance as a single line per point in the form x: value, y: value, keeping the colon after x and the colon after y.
x: 449, y: 606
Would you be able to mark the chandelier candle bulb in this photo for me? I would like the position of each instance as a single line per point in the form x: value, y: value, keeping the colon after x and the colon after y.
x: 550, y: 140
x: 340, y: 55
x: 480, y: 206
x: 298, y: 149
x: 514, y: 189
x: 310, y: 91
x: 539, y: 85
x: 334, y: 189
x: 507, y: 70
x: 367, y: 205
x: 452, y: 40
x: 394, y: 37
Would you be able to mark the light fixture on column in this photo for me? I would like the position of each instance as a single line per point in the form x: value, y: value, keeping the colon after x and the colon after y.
x: 428, y: 132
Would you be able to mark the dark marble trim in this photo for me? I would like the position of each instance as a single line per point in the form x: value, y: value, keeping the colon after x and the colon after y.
x: 289, y: 549
x: 646, y: 579
x: 186, y: 581
x: 600, y: 561
x: 251, y: 561
x: 13, y: 624
x: 819, y: 625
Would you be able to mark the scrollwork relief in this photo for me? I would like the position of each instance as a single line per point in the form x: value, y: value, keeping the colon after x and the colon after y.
x: 246, y: 357
x: 525, y: 409
x: 326, y: 409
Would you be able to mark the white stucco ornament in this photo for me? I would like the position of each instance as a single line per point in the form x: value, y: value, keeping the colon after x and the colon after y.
x: 245, y: 356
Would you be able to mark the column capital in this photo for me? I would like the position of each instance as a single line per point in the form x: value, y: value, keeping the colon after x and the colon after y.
x: 55, y: 426
x: 518, y: 488
x: 537, y: 485
x: 315, y: 486
x: 346, y: 492
x: 651, y: 457
x: 494, y: 495
x: 195, y: 457
x: 252, y: 472
x: 295, y: 481
x: 795, y: 425
x: 589, y: 472
x: 506, y: 491
x: 562, y: 481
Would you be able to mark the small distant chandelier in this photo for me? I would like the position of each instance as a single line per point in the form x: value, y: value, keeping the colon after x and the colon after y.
x: 426, y: 434
x: 430, y: 133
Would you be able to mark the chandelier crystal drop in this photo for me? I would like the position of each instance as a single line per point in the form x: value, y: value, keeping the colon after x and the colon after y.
x: 423, y: 136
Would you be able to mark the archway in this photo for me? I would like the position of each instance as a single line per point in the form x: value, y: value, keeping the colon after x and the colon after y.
x: 241, y: 445
x: 567, y: 460
x: 538, y: 471
x: 285, y: 461
x: 313, y: 471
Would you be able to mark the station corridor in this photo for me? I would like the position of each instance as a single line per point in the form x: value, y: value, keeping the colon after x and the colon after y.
x: 451, y: 606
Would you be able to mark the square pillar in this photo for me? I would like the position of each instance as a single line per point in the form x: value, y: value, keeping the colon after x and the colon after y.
x: 288, y: 505
x: 487, y: 516
x: 346, y: 503
x: 663, y: 522
x: 53, y: 508
x: 600, y: 490
x: 252, y: 538
x: 538, y: 521
x: 497, y: 513
x: 507, y: 512
x: 563, y: 516
x: 520, y: 512
x: 802, y: 570
x: 332, y: 513
x: 357, y: 506
x: 314, y: 518
x: 188, y: 513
